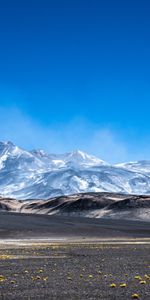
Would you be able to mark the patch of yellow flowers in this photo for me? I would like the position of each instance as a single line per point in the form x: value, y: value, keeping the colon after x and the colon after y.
x: 5, y: 256
x: 2, y: 278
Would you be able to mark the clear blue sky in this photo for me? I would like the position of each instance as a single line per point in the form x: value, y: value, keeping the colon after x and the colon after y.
x: 76, y: 74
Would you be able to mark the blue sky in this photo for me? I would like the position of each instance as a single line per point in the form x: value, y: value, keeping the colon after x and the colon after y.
x: 76, y: 75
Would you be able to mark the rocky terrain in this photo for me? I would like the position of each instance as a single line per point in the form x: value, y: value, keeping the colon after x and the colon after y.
x: 75, y: 271
x: 93, y: 205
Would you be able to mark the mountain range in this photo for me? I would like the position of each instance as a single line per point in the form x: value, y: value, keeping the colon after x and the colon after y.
x: 38, y: 175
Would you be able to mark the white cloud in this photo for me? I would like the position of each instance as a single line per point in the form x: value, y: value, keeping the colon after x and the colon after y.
x: 109, y: 145
x: 78, y: 134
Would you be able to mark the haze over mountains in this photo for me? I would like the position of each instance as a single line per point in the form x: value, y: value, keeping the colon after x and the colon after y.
x: 38, y: 175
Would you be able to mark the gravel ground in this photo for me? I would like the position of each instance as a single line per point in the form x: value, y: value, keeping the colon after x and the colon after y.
x: 75, y: 271
x: 21, y: 226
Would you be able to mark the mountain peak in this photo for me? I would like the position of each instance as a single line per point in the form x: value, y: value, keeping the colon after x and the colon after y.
x: 39, y: 152
x: 78, y: 153
x: 36, y: 174
x: 84, y: 159
x: 7, y: 143
x: 6, y: 146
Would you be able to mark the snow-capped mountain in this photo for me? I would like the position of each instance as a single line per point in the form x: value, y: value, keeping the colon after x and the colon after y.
x: 142, y: 166
x: 75, y: 159
x: 36, y: 174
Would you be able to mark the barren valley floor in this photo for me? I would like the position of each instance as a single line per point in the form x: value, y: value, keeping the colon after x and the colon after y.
x: 49, y: 257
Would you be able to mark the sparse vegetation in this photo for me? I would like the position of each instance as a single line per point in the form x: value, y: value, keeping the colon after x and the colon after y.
x: 75, y: 270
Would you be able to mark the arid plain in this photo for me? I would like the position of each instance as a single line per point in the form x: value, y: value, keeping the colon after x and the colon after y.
x: 55, y: 257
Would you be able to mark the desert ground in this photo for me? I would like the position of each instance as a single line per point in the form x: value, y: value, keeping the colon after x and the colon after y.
x: 52, y: 257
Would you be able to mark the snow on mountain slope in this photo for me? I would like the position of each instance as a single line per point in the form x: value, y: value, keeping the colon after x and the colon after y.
x: 74, y: 159
x: 142, y: 166
x: 36, y: 174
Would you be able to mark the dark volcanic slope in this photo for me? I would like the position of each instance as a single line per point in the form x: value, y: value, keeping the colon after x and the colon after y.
x: 131, y: 202
x: 75, y: 203
x: 106, y: 205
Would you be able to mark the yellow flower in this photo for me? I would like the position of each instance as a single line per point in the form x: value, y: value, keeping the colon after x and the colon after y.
x: 112, y: 285
x: 138, y: 277
x: 2, y: 278
x: 123, y: 285
x: 33, y: 278
x: 135, y: 296
x: 142, y: 282
x: 45, y: 278
x: 147, y: 276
